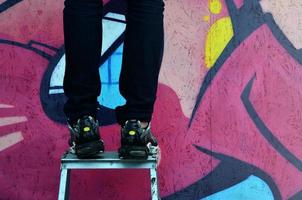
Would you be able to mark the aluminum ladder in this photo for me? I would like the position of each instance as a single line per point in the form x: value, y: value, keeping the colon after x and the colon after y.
x: 107, y: 160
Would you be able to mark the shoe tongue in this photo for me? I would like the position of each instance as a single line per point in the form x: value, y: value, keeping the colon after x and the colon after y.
x: 130, y: 126
x: 133, y: 124
x: 138, y: 124
x: 134, y: 121
x: 85, y: 121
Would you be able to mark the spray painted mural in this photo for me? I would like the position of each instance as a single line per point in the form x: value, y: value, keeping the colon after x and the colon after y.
x: 228, y: 110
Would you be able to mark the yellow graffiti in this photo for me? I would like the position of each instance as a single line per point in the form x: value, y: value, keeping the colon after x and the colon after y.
x: 215, y: 6
x: 206, y: 18
x: 218, y: 37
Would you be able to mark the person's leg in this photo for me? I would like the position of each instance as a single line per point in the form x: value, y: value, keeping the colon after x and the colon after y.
x: 83, y: 39
x: 142, y: 56
x: 83, y: 43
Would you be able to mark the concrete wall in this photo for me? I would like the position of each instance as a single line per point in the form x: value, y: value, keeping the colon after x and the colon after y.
x: 228, y: 115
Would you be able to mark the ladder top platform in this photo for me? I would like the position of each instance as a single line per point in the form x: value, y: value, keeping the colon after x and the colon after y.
x: 106, y: 160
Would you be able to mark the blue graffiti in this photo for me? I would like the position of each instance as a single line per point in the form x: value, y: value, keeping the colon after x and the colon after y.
x: 110, y: 71
x: 253, y: 188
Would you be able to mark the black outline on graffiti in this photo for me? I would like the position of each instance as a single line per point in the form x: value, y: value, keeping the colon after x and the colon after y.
x: 229, y: 172
x: 8, y: 4
x: 297, y: 196
x: 29, y: 46
x: 264, y: 130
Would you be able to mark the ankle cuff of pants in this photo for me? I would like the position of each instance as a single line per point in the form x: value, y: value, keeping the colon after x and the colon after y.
x: 122, y: 115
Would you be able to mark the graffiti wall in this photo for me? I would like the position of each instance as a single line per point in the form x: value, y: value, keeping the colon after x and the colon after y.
x: 228, y: 115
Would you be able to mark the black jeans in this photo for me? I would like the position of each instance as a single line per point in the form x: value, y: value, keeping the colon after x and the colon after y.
x: 142, y: 57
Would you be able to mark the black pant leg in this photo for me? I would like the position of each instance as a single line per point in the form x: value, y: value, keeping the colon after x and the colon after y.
x: 83, y: 41
x: 142, y: 57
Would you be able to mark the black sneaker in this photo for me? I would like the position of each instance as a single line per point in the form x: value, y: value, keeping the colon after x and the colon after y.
x: 135, y: 140
x: 85, y: 138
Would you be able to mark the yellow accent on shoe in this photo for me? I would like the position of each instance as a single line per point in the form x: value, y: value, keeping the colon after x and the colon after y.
x: 132, y: 132
x: 86, y: 129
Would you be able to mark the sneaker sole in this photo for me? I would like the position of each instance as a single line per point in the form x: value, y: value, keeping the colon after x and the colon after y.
x: 89, y: 149
x: 133, y: 152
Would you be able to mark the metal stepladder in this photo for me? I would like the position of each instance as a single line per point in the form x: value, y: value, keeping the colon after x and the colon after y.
x: 107, y: 160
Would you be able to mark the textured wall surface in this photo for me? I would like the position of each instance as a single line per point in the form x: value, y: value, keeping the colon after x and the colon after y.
x: 228, y: 114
